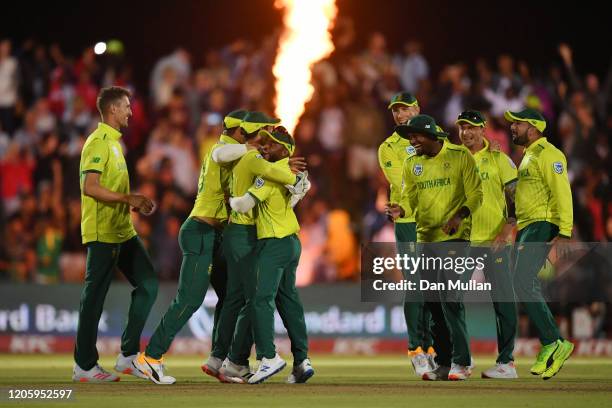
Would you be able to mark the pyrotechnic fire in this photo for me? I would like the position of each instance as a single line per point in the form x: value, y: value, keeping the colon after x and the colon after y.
x: 304, y: 41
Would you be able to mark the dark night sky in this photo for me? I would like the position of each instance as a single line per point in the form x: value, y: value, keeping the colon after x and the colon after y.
x: 450, y: 30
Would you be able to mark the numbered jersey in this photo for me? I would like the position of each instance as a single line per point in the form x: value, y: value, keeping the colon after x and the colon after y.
x: 213, y: 185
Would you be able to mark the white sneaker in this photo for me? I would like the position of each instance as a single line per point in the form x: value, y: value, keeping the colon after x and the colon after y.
x: 96, y: 374
x: 459, y: 372
x: 431, y: 358
x: 267, y: 368
x: 153, y: 369
x: 419, y: 361
x: 301, y: 373
x: 234, y: 373
x: 502, y: 371
x: 439, y: 374
x: 212, y: 366
x: 124, y: 366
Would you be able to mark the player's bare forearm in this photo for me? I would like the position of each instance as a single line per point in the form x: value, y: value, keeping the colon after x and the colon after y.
x: 93, y: 189
x: 510, y: 191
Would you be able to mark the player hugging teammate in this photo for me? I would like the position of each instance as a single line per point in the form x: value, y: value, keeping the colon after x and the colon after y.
x: 484, y: 199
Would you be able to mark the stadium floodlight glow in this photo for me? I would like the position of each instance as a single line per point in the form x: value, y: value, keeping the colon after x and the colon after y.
x: 100, y: 48
x: 304, y: 41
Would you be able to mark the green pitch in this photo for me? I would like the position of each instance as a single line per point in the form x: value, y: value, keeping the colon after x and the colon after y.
x: 356, y: 381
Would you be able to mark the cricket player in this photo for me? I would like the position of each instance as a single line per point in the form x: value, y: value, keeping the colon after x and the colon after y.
x: 491, y: 236
x: 110, y: 238
x: 276, y: 259
x: 443, y: 187
x: 544, y: 215
x: 391, y: 156
x: 229, y: 358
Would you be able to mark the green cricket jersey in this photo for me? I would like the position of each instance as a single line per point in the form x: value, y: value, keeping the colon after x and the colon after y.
x: 213, y: 185
x: 391, y: 156
x: 496, y: 170
x: 251, y: 165
x: 105, y: 222
x: 274, y: 216
x: 437, y: 187
x: 543, y: 190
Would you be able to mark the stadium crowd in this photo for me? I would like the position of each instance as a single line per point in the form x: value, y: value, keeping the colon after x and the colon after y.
x: 47, y: 109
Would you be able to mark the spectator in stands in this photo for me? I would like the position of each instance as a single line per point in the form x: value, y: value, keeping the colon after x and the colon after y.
x: 9, y: 83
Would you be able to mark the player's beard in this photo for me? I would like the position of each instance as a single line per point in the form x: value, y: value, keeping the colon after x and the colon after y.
x: 519, y: 140
x: 125, y: 122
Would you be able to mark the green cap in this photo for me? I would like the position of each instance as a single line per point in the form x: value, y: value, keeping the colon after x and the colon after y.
x: 472, y: 117
x: 403, y: 98
x: 253, y: 121
x: 234, y: 118
x: 441, y: 133
x: 531, y: 116
x: 280, y: 135
x: 423, y: 124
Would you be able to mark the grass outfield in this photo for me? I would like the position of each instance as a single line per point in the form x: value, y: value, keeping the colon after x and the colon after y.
x: 363, y: 381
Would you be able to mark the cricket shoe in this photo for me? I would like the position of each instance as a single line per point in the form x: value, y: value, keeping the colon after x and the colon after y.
x: 544, y: 358
x: 124, y: 365
x: 153, y: 369
x: 431, y: 358
x: 419, y: 361
x: 97, y: 374
x: 501, y: 371
x: 439, y: 374
x: 561, y: 354
x: 267, y: 368
x: 212, y: 367
x: 234, y: 373
x: 459, y: 372
x: 301, y: 373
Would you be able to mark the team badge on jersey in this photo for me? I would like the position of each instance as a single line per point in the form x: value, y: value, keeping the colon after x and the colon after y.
x: 259, y: 182
x: 417, y: 169
x: 558, y: 167
x: 446, y: 165
x: 410, y: 149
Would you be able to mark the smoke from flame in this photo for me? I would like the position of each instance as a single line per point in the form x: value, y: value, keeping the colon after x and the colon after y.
x: 305, y: 40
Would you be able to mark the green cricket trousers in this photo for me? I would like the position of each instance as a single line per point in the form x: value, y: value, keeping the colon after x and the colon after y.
x: 233, y: 337
x: 497, y: 271
x: 133, y: 261
x: 417, y: 316
x: 275, y: 266
x: 199, y: 243
x: 531, y: 250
